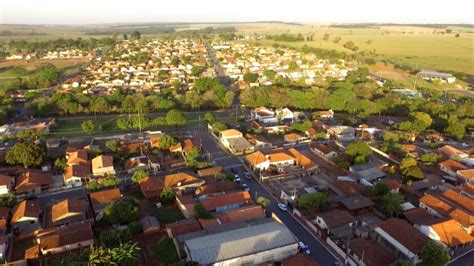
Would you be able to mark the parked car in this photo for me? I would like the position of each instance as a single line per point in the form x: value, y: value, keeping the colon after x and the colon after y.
x: 303, y: 247
x: 248, y: 176
x: 245, y: 187
x: 282, y: 207
x: 237, y: 179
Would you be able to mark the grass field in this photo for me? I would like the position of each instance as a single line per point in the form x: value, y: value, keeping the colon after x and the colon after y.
x: 415, y: 46
x: 72, y: 128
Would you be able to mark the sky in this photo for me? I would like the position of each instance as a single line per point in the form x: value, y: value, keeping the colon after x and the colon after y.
x: 301, y: 11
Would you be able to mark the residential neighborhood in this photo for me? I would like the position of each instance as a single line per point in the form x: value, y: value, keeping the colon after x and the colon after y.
x: 250, y: 143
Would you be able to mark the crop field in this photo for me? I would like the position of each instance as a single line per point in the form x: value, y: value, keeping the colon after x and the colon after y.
x: 416, y: 46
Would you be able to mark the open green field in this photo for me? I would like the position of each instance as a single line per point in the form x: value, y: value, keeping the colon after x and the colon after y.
x: 72, y: 128
x: 416, y: 46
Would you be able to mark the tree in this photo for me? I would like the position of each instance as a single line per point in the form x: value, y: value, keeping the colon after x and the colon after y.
x: 410, y: 169
x: 134, y: 228
x: 326, y: 37
x: 125, y: 254
x: 401, y: 262
x: 261, y: 200
x: 358, y: 148
x: 210, y: 118
x: 60, y: 163
x: 455, y: 130
x: 88, y: 126
x: 250, y: 77
x: 434, y: 254
x: 167, y: 195
x: 121, y: 212
x: 218, y: 127
x: 113, y: 145
x: 201, y: 212
x: 380, y: 189
x: 135, y: 35
x: 28, y: 154
x: 359, y: 159
x: 175, y: 118
x: 431, y: 157
x: 192, y: 156
x: 99, y: 105
x: 46, y: 75
x: 139, y: 175
x: 166, y: 141
x: 313, y: 201
x: 7, y: 200
x: 391, y: 204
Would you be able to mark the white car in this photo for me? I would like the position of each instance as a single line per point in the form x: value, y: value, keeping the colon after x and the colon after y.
x: 303, y: 248
x: 245, y: 187
x: 282, y: 207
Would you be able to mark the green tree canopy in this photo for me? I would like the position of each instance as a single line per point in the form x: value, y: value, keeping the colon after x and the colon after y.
x: 175, y: 118
x: 313, y: 201
x: 121, y: 212
x: 358, y: 148
x: 88, y: 126
x: 434, y: 254
x: 139, y: 175
x: 167, y: 195
x: 166, y: 141
x: 391, y: 204
x: 28, y: 154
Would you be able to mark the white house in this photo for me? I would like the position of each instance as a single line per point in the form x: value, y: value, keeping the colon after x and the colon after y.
x: 264, y: 115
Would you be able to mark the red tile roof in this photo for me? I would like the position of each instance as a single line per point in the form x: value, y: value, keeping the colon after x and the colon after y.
x: 405, y: 234
x: 212, y: 203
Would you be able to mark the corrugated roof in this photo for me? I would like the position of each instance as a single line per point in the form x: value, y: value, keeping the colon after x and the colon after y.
x: 240, y: 242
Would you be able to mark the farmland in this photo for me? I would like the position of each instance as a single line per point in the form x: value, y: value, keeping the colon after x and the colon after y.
x: 415, y: 46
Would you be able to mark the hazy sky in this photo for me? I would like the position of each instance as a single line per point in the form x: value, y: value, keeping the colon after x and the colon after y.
x: 342, y: 11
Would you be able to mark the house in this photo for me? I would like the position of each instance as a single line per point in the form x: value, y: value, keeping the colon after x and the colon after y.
x: 24, y: 213
x: 6, y: 184
x: 466, y: 175
x: 447, y: 232
x: 136, y: 163
x: 356, y: 204
x: 210, y: 171
x: 325, y: 151
x: 151, y: 187
x: 264, y: 115
x: 259, y: 142
x: 434, y: 75
x: 329, y: 114
x: 342, y: 133
x: 182, y: 227
x: 223, y: 202
x: 336, y: 222
x: 401, y: 239
x: 150, y: 225
x: 234, y: 141
x: 302, y: 160
x: 33, y: 182
x: 411, y: 149
x: 369, y: 252
x: 68, y: 211
x: 188, y: 145
x: 101, y: 199
x: 74, y: 174
x: 293, y: 138
x: 451, y: 167
x: 63, y: 239
x: 215, y: 188
x: 103, y: 165
x: 242, y: 214
x: 369, y: 172
x: 77, y: 157
x: 4, y: 219
x: 248, y: 244
x: 260, y: 161
x: 4, y: 244
x: 181, y: 181
x: 435, y: 205
x: 285, y: 114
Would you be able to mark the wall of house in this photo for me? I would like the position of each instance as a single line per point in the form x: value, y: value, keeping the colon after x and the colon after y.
x: 67, y: 247
x: 394, y: 246
x: 105, y: 170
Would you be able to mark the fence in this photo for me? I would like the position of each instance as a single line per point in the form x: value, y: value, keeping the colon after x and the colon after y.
x: 340, y: 252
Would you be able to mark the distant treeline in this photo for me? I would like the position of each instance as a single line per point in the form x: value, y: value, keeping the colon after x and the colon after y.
x: 121, y: 31
x: 211, y: 30
x: 61, y: 43
x: 20, y: 33
x: 286, y: 37
x: 372, y: 25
